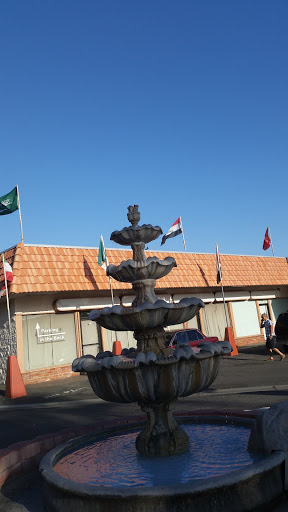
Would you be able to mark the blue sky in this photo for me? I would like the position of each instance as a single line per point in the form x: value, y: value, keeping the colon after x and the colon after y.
x: 178, y: 106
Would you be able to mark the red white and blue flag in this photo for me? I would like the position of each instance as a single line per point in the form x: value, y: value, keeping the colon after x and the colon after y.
x: 218, y: 266
x: 175, y: 230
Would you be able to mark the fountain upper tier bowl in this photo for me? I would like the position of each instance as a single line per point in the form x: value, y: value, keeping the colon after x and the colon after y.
x: 136, y: 234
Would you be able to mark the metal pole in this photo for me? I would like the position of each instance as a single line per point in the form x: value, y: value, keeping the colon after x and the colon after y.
x: 218, y: 262
x: 111, y: 289
x: 182, y: 234
x: 18, y: 200
x: 224, y: 302
x: 271, y: 241
x: 7, y: 296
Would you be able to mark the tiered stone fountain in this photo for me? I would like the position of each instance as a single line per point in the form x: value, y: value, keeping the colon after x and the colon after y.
x: 152, y: 375
x: 155, y: 376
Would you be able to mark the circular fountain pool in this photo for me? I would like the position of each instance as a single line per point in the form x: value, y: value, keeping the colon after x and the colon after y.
x: 113, y: 461
x: 104, y: 471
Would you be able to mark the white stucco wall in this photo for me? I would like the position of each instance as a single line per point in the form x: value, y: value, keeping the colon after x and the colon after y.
x: 34, y: 303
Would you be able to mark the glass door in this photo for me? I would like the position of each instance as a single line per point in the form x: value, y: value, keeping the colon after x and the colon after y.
x: 91, y: 335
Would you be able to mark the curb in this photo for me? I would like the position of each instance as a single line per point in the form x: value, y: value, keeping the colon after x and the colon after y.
x: 26, y: 455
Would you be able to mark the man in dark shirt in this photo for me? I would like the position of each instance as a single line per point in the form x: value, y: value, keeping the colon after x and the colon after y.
x: 270, y: 337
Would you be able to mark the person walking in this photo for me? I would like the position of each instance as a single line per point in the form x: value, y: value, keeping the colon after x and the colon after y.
x: 270, y: 337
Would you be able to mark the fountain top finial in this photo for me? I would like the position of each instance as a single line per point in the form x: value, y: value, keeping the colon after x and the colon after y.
x: 133, y: 215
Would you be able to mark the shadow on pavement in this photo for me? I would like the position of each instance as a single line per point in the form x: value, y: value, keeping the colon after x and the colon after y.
x: 277, y: 393
x: 23, y: 493
x: 256, y: 349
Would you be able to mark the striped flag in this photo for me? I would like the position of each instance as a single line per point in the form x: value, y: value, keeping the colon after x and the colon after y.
x: 9, y: 276
x: 218, y: 266
x: 102, y: 256
x: 175, y: 230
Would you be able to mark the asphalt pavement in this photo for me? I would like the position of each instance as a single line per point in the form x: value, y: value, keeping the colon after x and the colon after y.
x: 246, y: 381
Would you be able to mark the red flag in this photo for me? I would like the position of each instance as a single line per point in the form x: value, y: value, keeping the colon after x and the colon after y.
x: 267, y: 240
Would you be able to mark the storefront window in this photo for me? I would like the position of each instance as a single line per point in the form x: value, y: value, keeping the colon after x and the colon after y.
x: 214, y: 320
x: 246, y: 318
x: 49, y: 340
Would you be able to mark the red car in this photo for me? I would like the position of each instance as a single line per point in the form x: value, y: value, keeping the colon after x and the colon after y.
x: 191, y: 336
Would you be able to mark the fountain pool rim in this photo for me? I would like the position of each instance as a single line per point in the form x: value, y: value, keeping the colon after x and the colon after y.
x: 200, y: 486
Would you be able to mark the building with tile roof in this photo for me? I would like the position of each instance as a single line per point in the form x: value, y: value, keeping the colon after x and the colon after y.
x: 54, y: 288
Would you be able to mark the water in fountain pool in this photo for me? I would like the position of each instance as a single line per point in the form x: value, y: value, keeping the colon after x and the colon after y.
x: 113, y: 461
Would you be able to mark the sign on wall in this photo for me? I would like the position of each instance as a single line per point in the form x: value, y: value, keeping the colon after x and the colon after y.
x: 49, y: 335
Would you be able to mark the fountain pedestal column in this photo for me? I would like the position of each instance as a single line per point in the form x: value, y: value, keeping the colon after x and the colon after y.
x: 162, y: 435
x: 152, y: 340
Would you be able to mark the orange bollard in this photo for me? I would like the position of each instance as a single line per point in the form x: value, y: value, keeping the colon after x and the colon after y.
x: 14, y: 382
x: 117, y: 348
x: 229, y: 337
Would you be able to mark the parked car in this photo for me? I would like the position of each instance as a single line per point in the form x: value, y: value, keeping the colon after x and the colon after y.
x: 281, y: 330
x: 191, y: 336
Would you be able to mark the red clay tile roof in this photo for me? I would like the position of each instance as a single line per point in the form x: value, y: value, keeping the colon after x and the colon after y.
x: 51, y: 269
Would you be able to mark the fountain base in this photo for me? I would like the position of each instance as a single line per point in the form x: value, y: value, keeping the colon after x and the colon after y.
x: 256, y: 486
x: 162, y: 435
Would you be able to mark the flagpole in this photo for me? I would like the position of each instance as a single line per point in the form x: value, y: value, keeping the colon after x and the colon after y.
x: 18, y: 201
x: 112, y: 298
x: 111, y: 289
x: 112, y: 295
x: 224, y: 303
x: 271, y: 241
x: 105, y: 258
x: 7, y: 296
x: 182, y: 234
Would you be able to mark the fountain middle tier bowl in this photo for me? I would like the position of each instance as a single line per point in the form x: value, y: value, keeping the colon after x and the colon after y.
x: 129, y: 271
x: 147, y: 315
x: 149, y: 378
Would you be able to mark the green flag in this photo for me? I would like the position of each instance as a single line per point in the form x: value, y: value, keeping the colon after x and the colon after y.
x: 9, y: 202
x: 102, y: 257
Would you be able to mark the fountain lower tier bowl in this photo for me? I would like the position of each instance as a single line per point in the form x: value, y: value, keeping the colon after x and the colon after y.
x: 155, y: 382
x: 147, y: 315
x: 104, y: 472
x: 146, y: 378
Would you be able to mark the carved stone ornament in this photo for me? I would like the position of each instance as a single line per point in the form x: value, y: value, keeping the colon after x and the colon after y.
x: 133, y: 215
